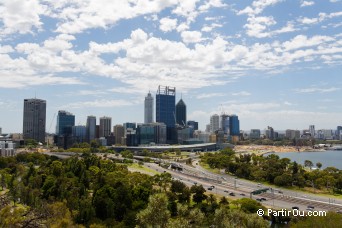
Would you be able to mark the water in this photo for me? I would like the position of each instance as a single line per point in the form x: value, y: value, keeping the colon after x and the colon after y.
x: 327, y: 158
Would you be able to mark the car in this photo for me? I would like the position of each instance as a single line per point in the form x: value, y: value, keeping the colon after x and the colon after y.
x: 295, y: 208
x: 232, y: 194
x: 242, y: 194
x: 263, y: 199
x: 210, y: 188
x: 280, y: 192
x: 258, y: 199
x: 309, y: 209
x: 226, y: 191
x: 312, y: 207
x: 195, y: 183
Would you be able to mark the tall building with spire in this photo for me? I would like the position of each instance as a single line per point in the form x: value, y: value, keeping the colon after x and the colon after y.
x: 34, y: 120
x: 181, y: 112
x: 148, y: 108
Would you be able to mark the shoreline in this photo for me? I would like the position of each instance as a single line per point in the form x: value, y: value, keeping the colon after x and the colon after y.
x: 263, y: 149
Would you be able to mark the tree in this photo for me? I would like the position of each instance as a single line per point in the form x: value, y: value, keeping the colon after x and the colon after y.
x: 156, y: 214
x: 199, y: 195
x: 283, y: 180
x: 319, y: 165
x: 308, y: 163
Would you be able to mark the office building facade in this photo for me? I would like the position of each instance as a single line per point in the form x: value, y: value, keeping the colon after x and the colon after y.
x: 214, y: 123
x: 105, y: 126
x: 166, y: 111
x: 34, y: 119
x: 234, y: 125
x: 119, y: 133
x: 65, y: 122
x: 148, y: 109
x: 91, y: 128
x: 193, y: 124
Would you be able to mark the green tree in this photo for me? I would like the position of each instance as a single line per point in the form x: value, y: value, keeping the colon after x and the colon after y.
x: 198, y: 193
x: 156, y: 214
x: 319, y: 165
x: 308, y: 163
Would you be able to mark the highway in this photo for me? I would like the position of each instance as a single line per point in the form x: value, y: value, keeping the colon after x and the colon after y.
x: 225, y: 184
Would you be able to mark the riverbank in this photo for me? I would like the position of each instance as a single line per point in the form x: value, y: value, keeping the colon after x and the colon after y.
x: 263, y: 149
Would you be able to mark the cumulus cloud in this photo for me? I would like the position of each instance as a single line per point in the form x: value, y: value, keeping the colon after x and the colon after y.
x: 191, y: 36
x: 209, y: 95
x: 307, y: 3
x: 258, y: 7
x: 242, y: 93
x: 167, y: 24
x: 101, y: 103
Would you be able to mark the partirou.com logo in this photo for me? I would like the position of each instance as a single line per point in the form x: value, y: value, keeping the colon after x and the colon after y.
x: 293, y: 212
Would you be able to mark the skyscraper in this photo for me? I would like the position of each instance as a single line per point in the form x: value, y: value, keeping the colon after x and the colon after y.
x: 148, y: 108
x: 214, y: 123
x: 91, y: 128
x: 181, y: 113
x: 234, y: 125
x: 65, y: 122
x: 34, y: 120
x: 312, y: 130
x: 165, y: 111
x: 225, y: 124
x: 105, y: 126
x: 118, y: 133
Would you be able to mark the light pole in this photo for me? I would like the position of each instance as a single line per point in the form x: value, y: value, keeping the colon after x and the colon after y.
x: 235, y: 182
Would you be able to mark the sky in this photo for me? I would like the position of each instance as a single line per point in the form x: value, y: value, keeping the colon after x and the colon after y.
x: 271, y: 62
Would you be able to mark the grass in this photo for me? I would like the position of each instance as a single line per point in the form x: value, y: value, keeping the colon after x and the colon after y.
x: 142, y: 168
x: 207, y: 167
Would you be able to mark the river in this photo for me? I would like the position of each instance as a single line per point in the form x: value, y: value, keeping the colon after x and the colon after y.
x: 327, y: 158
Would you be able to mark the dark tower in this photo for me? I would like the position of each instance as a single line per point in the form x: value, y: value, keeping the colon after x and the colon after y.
x: 181, y: 113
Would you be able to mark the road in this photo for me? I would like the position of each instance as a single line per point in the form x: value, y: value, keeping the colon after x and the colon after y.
x: 226, y: 184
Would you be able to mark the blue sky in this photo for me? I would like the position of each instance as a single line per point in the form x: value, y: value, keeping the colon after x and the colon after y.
x: 271, y: 62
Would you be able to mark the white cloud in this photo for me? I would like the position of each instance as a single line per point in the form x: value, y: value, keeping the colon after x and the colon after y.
x: 20, y: 16
x: 302, y: 41
x: 258, y: 7
x: 191, y: 36
x: 317, y: 90
x: 167, y: 24
x: 209, y: 28
x: 210, y: 95
x: 242, y: 93
x: 103, y: 103
x: 307, y: 3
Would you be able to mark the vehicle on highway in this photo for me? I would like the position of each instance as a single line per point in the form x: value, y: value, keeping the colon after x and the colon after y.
x: 226, y: 191
x: 280, y: 192
x: 232, y: 194
x: 263, y: 199
x: 312, y: 207
x: 295, y: 208
x: 210, y: 188
x: 309, y: 209
x: 242, y: 194
x: 258, y: 199
x: 195, y: 183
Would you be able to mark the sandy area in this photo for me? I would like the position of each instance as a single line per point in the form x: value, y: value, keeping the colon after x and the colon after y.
x: 261, y: 149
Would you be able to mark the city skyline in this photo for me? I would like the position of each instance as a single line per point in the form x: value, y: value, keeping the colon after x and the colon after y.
x: 271, y: 62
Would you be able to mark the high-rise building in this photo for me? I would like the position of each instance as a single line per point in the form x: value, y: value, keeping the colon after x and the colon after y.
x: 0, y: 130
x: 193, y: 124
x: 269, y: 133
x: 91, y: 128
x: 79, y: 133
x: 165, y: 111
x: 105, y: 126
x: 338, y: 132
x: 65, y: 122
x: 214, y: 123
x: 254, y: 134
x: 165, y: 105
x: 181, y: 113
x: 148, y: 108
x: 34, y: 120
x: 128, y: 127
x: 145, y: 134
x: 224, y: 123
x: 119, y: 133
x: 234, y: 125
x: 312, y: 130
